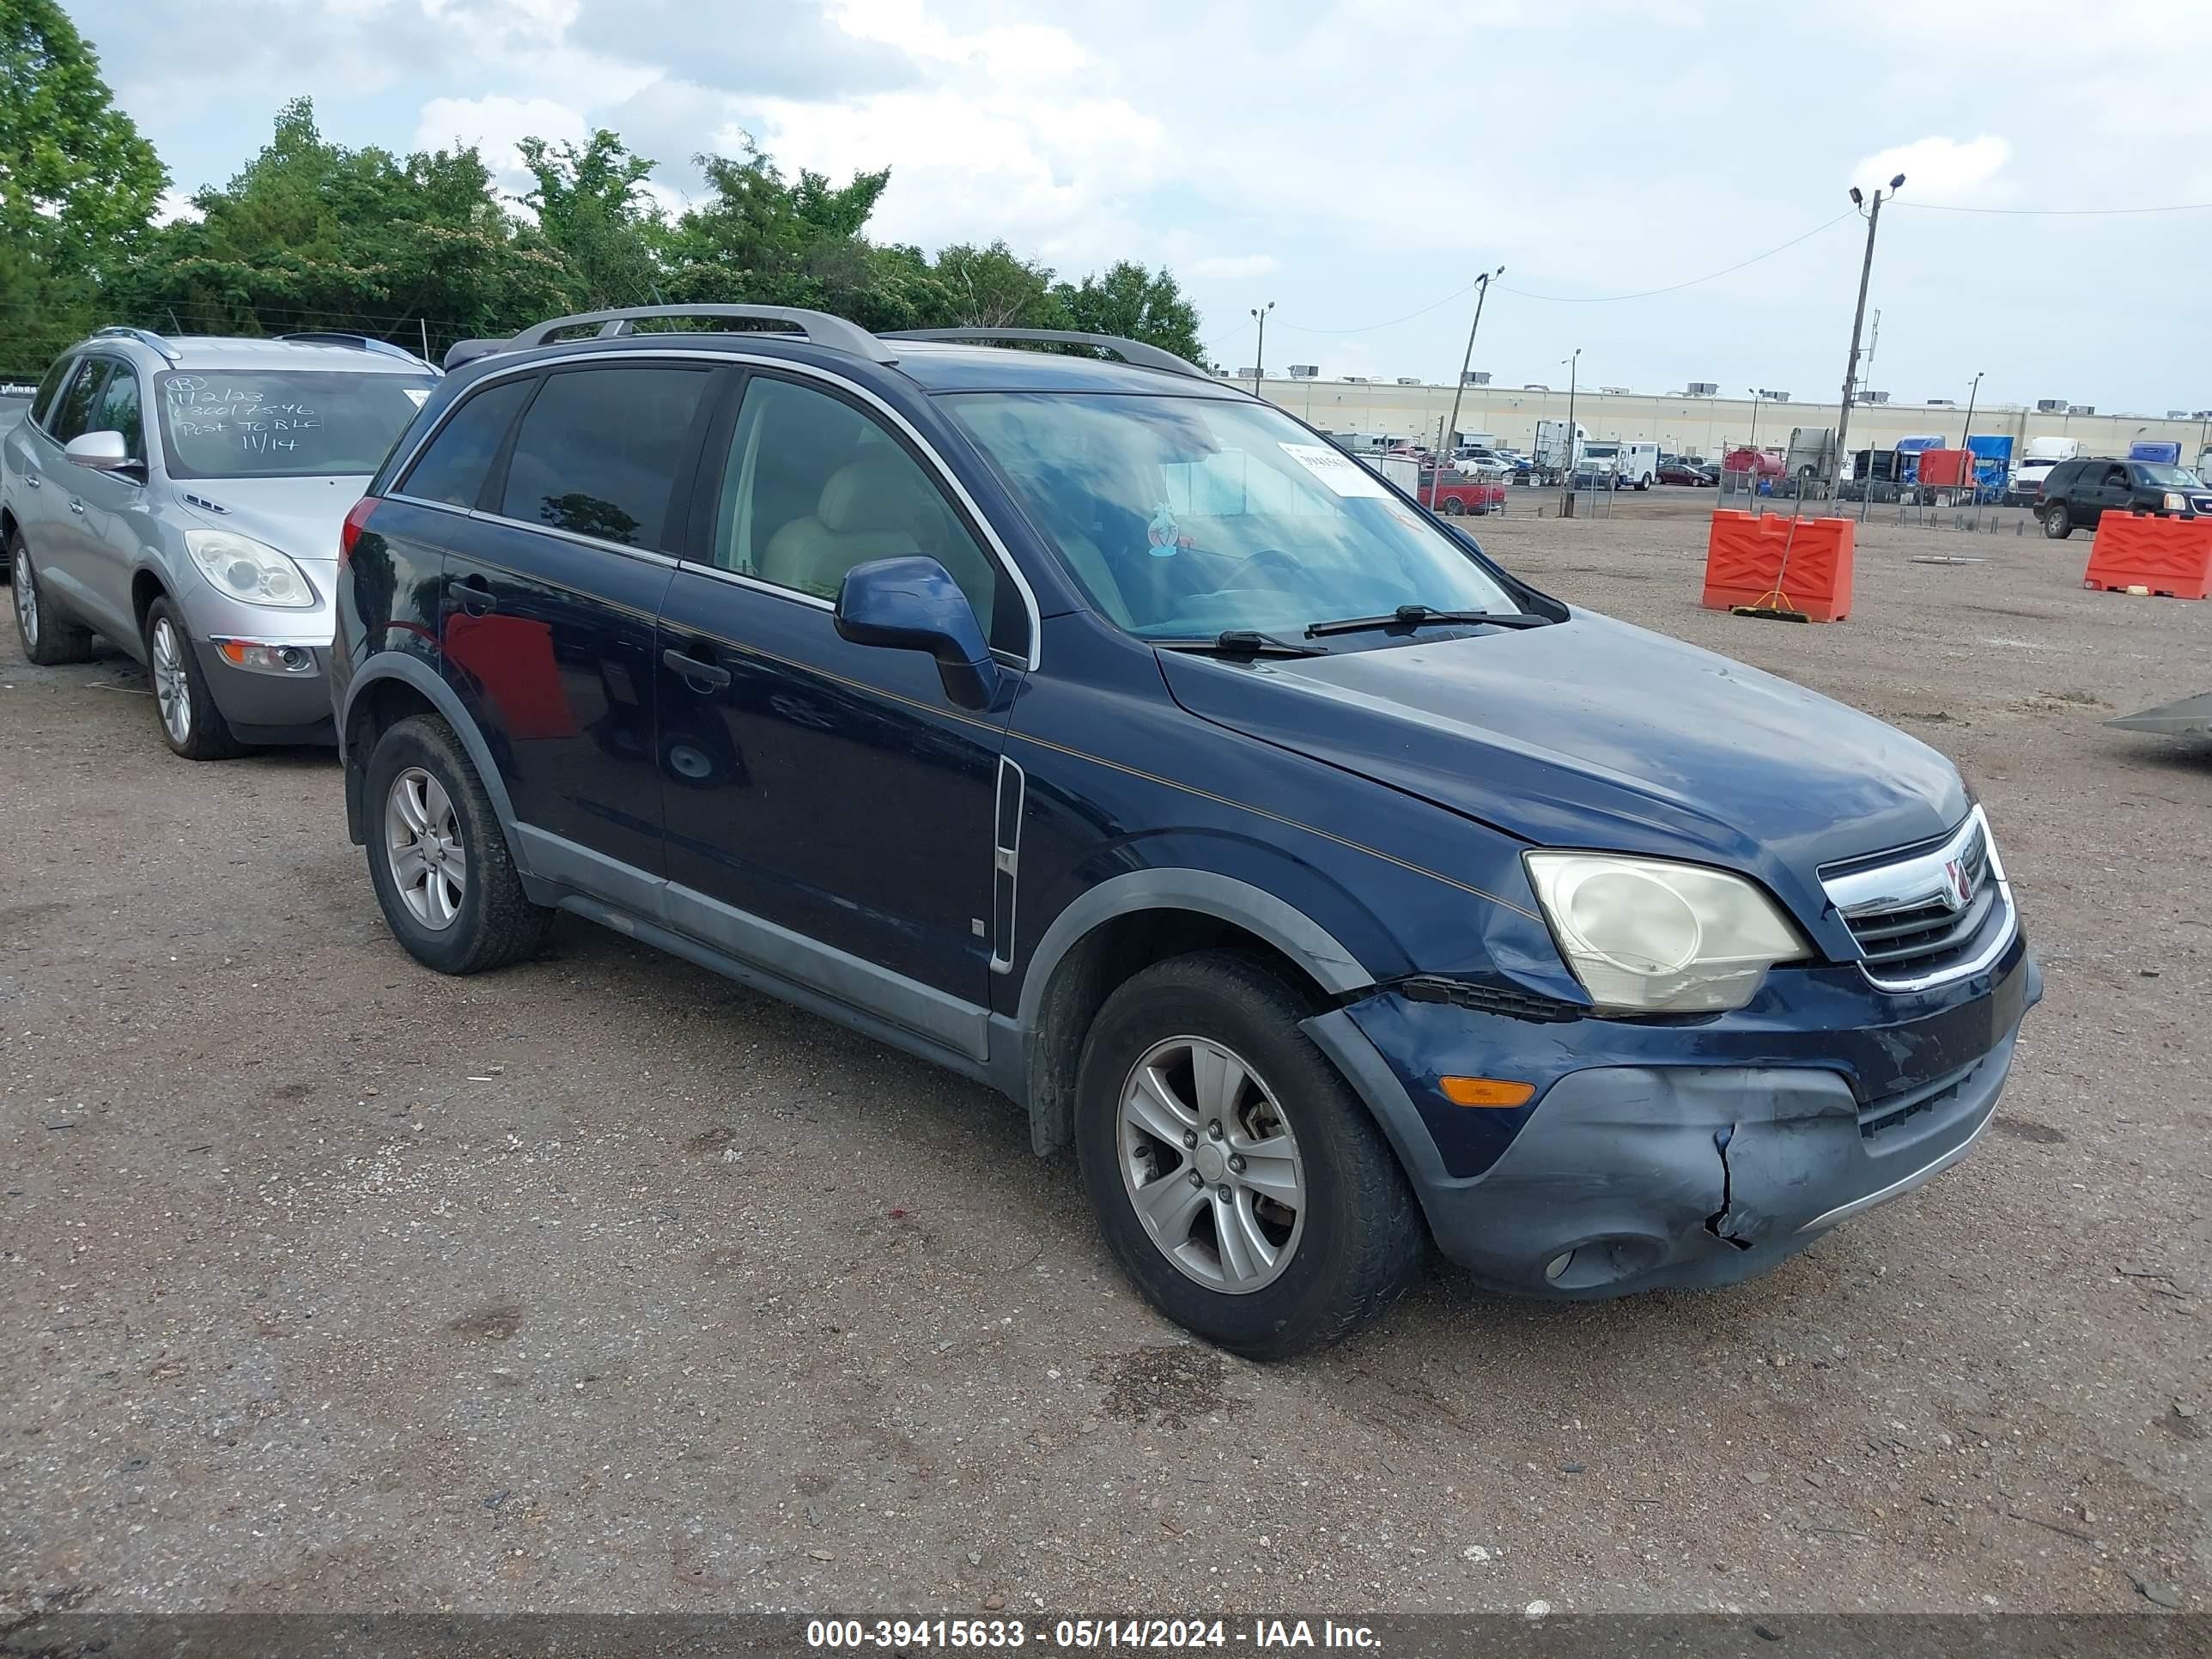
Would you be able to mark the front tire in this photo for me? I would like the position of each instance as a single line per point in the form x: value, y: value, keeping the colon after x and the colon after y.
x: 439, y: 858
x: 184, y: 706
x: 48, y: 638
x: 1240, y: 1183
x: 2057, y: 522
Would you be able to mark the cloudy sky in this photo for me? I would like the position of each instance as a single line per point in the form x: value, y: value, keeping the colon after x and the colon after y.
x: 1358, y: 163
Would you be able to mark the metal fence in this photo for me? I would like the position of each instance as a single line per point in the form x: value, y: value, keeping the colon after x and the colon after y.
x: 1976, y: 510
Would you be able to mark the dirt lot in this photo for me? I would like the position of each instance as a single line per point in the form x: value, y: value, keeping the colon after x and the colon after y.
x: 602, y: 1284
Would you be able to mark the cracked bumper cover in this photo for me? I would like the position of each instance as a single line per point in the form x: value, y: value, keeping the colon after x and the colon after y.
x: 1637, y: 1177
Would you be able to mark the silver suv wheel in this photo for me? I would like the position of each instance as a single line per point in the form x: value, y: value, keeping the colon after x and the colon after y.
x: 422, y: 844
x: 1211, y: 1166
x: 26, y: 602
x: 172, y: 687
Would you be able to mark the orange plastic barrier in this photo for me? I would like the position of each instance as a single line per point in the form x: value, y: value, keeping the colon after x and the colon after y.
x: 1744, y: 563
x: 2172, y: 556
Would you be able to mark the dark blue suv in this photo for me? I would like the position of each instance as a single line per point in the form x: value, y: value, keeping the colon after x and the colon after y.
x: 1100, y: 731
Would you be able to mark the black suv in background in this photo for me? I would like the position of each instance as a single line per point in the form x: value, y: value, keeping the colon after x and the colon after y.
x: 2082, y: 492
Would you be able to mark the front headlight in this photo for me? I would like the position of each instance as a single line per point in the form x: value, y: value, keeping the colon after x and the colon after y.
x: 2175, y: 503
x: 1646, y: 936
x: 242, y: 568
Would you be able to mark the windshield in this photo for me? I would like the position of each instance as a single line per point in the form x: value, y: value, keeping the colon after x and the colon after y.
x: 1600, y: 451
x: 1187, y: 517
x: 2168, y: 476
x: 282, y: 423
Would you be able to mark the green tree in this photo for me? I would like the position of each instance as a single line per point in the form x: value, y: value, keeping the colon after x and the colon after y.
x: 592, y: 210
x: 994, y: 287
x: 1136, y: 304
x: 77, y: 182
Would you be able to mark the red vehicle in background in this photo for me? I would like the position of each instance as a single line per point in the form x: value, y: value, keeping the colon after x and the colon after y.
x: 1457, y: 494
x: 1758, y: 461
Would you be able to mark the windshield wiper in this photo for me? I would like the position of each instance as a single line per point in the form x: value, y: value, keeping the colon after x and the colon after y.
x: 1243, y: 642
x: 1414, y: 616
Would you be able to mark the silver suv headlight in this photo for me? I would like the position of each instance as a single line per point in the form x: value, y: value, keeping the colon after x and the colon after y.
x: 240, y: 567
x: 1648, y: 935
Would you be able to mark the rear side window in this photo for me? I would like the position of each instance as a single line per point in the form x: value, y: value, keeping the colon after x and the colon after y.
x: 73, y: 409
x: 599, y: 450
x: 42, y: 401
x: 120, y: 411
x: 453, y: 468
x: 2060, y: 476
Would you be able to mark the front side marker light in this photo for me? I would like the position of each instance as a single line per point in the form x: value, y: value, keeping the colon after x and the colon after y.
x: 1486, y: 1092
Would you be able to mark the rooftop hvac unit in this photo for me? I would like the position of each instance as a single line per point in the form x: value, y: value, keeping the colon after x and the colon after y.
x: 1409, y: 380
x: 2178, y: 415
x: 2200, y: 414
x: 1941, y: 403
x: 1474, y: 377
x: 2080, y: 409
x: 1703, y: 389
x: 1306, y: 371
x: 1535, y: 385
x: 2051, y: 405
x: 1614, y: 391
x: 1248, y: 373
x: 1777, y: 397
x: 1873, y: 397
x: 1357, y: 380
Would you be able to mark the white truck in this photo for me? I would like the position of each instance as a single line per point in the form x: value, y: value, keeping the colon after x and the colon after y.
x: 2035, y: 463
x: 1628, y: 465
x: 1554, y: 455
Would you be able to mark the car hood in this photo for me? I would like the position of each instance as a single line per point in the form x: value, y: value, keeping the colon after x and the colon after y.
x: 301, y: 516
x: 1593, y: 733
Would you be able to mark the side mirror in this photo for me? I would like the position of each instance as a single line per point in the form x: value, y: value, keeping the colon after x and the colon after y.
x: 913, y: 605
x: 102, y: 451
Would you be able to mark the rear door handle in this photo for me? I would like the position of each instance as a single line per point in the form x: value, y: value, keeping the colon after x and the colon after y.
x: 475, y: 595
x: 707, y: 674
x: 33, y: 479
x: 75, y: 506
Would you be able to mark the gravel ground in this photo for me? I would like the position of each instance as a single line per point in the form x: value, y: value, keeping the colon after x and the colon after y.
x: 602, y: 1284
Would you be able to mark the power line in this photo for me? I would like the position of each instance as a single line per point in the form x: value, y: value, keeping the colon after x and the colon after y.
x: 2057, y: 213
x: 1581, y: 299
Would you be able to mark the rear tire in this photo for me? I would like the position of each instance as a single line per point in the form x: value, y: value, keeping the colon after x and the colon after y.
x: 184, y: 706
x: 48, y: 638
x: 1452, y: 506
x: 2057, y: 522
x: 1355, y: 1237
x: 439, y: 858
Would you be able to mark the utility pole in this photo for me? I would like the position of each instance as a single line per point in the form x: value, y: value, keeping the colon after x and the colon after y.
x: 1260, y: 352
x: 1482, y: 293
x: 1574, y: 364
x: 1967, y: 432
x: 1858, y: 319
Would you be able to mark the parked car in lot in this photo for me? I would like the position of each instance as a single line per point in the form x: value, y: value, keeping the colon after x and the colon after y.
x: 2079, y: 492
x: 1453, y: 492
x: 1104, y: 734
x: 1686, y: 473
x: 181, y: 497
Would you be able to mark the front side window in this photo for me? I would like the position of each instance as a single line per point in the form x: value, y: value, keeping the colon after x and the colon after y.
x: 119, y: 411
x: 458, y: 460
x: 2163, y: 475
x: 42, y: 400
x: 73, y: 409
x: 282, y: 423
x: 1188, y: 517
x: 600, y: 449
x: 815, y: 486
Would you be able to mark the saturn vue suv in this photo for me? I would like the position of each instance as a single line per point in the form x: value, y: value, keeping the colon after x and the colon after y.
x: 181, y: 497
x: 1104, y: 734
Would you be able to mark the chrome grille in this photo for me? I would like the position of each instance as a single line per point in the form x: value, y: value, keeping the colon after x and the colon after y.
x: 1924, y: 917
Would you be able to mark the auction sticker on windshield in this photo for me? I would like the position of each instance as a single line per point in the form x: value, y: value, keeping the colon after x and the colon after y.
x: 1336, y: 469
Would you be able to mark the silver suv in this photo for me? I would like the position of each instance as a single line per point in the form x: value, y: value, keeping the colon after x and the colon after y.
x: 183, y: 497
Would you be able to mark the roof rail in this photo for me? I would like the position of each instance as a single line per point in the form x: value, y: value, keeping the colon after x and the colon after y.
x: 145, y: 336
x: 1135, y: 353
x: 817, y: 326
x: 364, y: 342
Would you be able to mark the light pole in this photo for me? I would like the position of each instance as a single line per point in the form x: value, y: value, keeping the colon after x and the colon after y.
x: 1573, y: 366
x: 1260, y: 351
x: 1967, y: 432
x: 1757, y: 392
x: 1482, y: 293
x: 1858, y: 317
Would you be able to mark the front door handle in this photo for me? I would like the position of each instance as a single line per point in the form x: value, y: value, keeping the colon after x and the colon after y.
x: 33, y: 479
x: 475, y: 595
x: 75, y: 506
x: 707, y: 674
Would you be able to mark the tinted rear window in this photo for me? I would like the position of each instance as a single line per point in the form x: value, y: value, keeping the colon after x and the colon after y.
x: 453, y: 468
x: 43, y: 399
x: 282, y: 423
x: 598, y: 452
x: 73, y: 409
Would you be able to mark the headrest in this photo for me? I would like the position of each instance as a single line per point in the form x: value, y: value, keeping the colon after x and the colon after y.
x: 881, y: 491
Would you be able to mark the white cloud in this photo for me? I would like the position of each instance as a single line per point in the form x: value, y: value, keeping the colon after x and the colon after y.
x: 497, y: 125
x: 1937, y: 169
x: 1226, y: 266
x: 175, y: 206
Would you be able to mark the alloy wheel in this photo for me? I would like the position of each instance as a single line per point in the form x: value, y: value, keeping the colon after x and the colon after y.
x: 172, y: 687
x: 26, y: 601
x: 1210, y: 1164
x: 423, y: 847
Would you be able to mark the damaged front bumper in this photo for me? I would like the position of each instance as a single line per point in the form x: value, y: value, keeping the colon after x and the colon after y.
x: 1624, y: 1177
